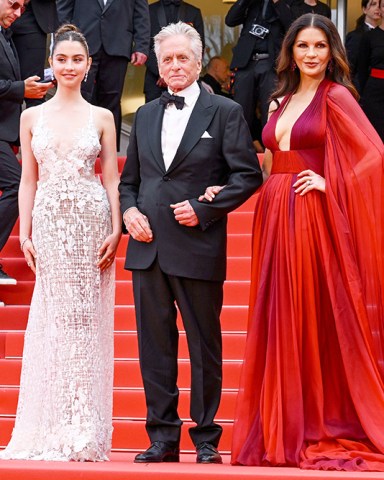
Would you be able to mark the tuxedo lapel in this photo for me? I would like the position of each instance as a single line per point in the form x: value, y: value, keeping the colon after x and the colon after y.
x: 101, y: 3
x: 161, y: 15
x: 11, y: 55
x: 107, y: 5
x: 155, y: 123
x: 198, y: 123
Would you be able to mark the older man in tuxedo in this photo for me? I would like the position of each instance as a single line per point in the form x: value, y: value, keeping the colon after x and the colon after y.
x: 180, y: 144
x: 117, y: 31
x: 12, y: 92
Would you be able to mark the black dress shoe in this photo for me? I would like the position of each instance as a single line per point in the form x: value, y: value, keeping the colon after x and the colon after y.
x: 207, y: 453
x: 159, y: 452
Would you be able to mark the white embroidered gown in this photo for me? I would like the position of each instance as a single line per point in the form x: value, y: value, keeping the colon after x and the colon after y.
x: 65, y: 402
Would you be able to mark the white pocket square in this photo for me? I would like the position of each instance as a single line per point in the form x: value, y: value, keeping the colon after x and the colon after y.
x: 206, y: 135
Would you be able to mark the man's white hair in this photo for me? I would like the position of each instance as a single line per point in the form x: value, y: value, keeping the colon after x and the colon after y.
x: 180, y: 28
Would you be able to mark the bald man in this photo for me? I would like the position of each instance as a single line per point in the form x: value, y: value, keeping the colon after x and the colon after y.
x: 217, y: 75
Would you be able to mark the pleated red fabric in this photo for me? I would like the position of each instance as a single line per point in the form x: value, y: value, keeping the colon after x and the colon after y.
x: 312, y: 384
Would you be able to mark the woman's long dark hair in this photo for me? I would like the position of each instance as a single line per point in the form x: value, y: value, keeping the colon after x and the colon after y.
x: 288, y: 79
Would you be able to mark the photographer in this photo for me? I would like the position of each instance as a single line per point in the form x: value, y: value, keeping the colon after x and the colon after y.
x: 254, y: 56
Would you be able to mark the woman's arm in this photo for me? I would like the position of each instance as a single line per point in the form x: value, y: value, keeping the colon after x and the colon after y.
x: 111, y: 181
x: 28, y: 185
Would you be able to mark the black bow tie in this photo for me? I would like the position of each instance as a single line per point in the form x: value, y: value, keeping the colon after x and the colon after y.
x: 7, y: 32
x: 167, y: 98
x: 172, y: 2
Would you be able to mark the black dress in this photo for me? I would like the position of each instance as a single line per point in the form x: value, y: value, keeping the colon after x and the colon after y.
x: 352, y: 45
x: 370, y: 68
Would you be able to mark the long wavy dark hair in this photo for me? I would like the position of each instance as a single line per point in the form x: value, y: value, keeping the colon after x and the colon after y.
x: 288, y: 79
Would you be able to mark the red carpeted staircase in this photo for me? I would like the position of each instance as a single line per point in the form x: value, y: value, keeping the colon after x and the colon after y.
x: 129, y: 434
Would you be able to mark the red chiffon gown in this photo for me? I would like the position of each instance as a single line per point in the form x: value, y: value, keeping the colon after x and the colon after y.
x: 312, y: 385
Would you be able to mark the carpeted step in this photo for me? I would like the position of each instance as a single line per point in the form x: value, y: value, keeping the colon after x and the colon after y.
x: 239, y: 268
x: 233, y: 317
x: 131, y: 435
x: 235, y: 292
x: 126, y: 345
x: 129, y: 403
x: 127, y: 373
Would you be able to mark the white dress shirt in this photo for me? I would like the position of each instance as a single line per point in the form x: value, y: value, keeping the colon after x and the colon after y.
x: 175, y: 122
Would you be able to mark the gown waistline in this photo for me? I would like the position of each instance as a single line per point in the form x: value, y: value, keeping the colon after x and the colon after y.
x: 291, y: 162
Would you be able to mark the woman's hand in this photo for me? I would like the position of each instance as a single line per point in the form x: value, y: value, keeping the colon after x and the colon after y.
x: 307, y: 181
x: 211, y: 192
x: 30, y: 254
x: 107, y: 251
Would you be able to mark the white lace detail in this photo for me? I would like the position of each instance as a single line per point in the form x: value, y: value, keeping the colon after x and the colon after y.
x: 65, y: 402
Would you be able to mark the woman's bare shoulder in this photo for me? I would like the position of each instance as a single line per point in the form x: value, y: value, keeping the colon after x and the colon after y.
x: 29, y: 116
x: 102, y: 114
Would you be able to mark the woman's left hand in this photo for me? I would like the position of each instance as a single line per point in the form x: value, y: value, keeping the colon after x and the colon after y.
x: 107, y: 251
x: 308, y: 180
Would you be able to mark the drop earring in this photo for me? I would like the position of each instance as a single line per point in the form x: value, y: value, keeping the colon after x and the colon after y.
x: 293, y: 66
x: 86, y: 76
x: 330, y: 66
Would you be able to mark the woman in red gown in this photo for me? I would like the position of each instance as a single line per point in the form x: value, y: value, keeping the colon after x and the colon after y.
x: 312, y: 386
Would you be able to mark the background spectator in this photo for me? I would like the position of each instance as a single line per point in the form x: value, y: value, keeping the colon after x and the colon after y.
x: 370, y: 71
x: 161, y: 14
x: 30, y: 38
x: 254, y: 57
x: 12, y: 92
x: 370, y: 19
x: 217, y: 76
x: 117, y: 32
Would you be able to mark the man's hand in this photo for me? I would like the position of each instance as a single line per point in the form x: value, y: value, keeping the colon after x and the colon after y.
x: 34, y: 89
x: 185, y: 214
x: 138, y: 226
x: 138, y: 58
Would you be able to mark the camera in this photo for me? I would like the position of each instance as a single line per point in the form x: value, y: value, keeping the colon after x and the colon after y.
x: 259, y: 31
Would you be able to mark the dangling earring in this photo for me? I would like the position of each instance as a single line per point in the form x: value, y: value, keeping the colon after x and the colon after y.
x: 330, y: 66
x: 293, y: 66
x: 86, y: 76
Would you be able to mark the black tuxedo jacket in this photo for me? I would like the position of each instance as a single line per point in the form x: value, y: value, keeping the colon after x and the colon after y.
x: 216, y: 149
x: 39, y: 14
x: 187, y: 13
x: 246, y: 13
x: 46, y: 14
x: 11, y: 92
x: 116, y: 26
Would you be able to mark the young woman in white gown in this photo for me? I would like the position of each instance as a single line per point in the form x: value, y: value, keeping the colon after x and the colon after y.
x: 70, y: 227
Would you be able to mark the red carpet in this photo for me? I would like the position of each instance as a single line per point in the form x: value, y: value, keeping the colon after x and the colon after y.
x: 129, y: 405
x: 121, y: 467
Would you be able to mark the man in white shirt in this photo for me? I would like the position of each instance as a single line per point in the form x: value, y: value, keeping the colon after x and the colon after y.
x: 179, y: 145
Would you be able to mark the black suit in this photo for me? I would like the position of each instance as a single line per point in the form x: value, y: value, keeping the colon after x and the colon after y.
x: 30, y: 38
x: 158, y: 16
x: 113, y: 31
x: 11, y: 99
x: 254, y: 79
x: 186, y: 265
x: 215, y: 85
